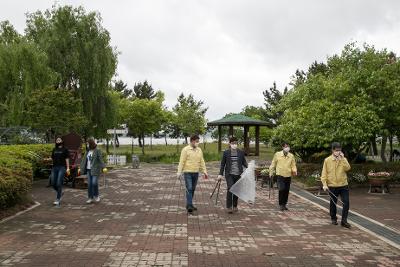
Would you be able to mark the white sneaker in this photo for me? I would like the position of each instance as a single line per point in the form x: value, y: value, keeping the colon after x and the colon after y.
x: 89, y: 201
x: 57, y: 203
x: 97, y: 199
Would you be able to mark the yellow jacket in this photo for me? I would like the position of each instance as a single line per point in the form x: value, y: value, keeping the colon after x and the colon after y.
x: 334, y: 172
x: 192, y: 160
x: 283, y: 165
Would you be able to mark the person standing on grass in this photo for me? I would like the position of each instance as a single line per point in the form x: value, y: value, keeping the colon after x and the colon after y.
x: 232, y: 163
x: 284, y: 167
x: 92, y: 165
x: 191, y: 163
x: 334, y: 180
x: 60, y: 157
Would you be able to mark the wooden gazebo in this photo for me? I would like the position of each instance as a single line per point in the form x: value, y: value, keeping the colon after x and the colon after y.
x: 241, y: 121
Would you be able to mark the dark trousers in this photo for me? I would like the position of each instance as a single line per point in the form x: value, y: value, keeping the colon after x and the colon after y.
x: 284, y: 187
x: 58, y: 173
x: 231, y: 199
x: 343, y: 192
x: 191, y: 183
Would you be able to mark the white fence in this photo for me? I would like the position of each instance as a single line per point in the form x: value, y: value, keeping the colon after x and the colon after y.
x: 118, y: 160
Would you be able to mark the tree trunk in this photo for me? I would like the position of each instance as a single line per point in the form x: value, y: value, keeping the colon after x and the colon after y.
x: 151, y: 142
x: 186, y: 140
x: 132, y: 146
x: 116, y: 141
x: 108, y: 145
x: 383, y: 148
x: 140, y: 141
x: 143, y: 144
x: 166, y: 142
x: 374, y: 146
x: 391, y: 147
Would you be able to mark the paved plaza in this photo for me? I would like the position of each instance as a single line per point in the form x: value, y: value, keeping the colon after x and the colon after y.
x: 142, y: 221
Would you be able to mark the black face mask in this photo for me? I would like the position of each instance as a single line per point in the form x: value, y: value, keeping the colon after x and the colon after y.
x: 59, y: 144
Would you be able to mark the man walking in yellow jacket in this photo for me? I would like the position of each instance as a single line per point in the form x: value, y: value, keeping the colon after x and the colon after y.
x: 284, y: 167
x: 334, y: 179
x: 191, y: 163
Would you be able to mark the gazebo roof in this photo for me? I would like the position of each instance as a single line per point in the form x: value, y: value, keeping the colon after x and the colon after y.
x: 238, y: 120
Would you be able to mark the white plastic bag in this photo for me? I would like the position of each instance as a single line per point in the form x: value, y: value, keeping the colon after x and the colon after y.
x: 245, y: 187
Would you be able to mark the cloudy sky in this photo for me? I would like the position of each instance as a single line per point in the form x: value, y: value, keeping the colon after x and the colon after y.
x: 226, y: 52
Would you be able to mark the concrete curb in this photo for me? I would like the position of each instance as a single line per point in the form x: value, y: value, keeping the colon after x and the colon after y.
x: 37, y: 204
x: 356, y: 224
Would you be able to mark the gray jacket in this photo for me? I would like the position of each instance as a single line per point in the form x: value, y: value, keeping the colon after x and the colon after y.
x: 96, y: 163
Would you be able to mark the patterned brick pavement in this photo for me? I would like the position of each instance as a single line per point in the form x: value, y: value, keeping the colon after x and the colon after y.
x: 141, y: 221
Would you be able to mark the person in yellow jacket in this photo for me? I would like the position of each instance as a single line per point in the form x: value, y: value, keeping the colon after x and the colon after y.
x: 334, y: 179
x: 284, y: 167
x: 191, y: 163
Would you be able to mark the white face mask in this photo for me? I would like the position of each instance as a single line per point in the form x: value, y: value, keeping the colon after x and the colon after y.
x: 234, y: 146
x: 286, y: 149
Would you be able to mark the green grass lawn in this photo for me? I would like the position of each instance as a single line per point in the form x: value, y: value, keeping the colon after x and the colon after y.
x: 170, y: 153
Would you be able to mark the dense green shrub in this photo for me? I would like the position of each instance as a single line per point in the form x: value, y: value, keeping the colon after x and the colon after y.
x: 17, y: 166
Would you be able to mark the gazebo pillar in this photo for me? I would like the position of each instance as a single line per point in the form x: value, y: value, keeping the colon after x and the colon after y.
x: 230, y: 130
x: 246, y: 139
x: 257, y: 140
x: 219, y: 138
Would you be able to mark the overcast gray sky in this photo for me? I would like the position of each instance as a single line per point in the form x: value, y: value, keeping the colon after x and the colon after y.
x: 226, y: 52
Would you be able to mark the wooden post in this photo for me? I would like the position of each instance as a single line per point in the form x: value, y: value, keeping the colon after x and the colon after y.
x: 257, y: 140
x: 219, y: 138
x: 246, y: 139
x: 230, y: 130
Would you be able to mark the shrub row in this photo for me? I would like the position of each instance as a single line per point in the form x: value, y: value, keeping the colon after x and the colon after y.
x: 17, y: 167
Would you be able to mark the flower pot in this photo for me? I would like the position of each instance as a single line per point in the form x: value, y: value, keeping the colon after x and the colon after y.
x: 381, y: 182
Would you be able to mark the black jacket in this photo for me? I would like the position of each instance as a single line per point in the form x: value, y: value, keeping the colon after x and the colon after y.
x: 226, y: 162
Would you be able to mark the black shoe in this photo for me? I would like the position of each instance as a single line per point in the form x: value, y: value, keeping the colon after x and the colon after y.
x: 334, y: 222
x: 285, y: 207
x: 282, y: 208
x: 235, y: 209
x: 194, y: 208
x: 345, y: 224
x: 190, y: 209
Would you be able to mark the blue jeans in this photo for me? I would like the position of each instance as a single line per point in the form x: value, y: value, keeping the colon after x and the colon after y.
x: 343, y: 192
x: 93, y: 185
x: 190, y: 182
x: 57, y: 179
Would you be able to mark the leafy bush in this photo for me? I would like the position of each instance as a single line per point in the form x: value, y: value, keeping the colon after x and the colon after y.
x: 17, y: 166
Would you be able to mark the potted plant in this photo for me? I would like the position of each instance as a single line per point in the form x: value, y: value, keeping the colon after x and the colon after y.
x: 379, y: 179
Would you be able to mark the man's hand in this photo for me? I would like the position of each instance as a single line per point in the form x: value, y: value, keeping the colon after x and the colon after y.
x: 205, y: 175
x: 220, y: 177
x: 178, y: 174
x: 68, y: 172
x: 325, y: 187
x: 294, y: 173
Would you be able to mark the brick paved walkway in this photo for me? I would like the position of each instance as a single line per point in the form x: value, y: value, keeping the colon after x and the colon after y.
x: 141, y: 221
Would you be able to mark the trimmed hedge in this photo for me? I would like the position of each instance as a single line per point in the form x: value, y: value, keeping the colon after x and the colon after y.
x: 308, y: 173
x: 18, y: 163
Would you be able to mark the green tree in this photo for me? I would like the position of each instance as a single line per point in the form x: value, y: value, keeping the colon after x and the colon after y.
x: 23, y: 70
x: 190, y: 115
x: 55, y: 110
x: 79, y: 51
x: 272, y: 97
x: 144, y: 116
x: 143, y: 91
x: 122, y: 89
